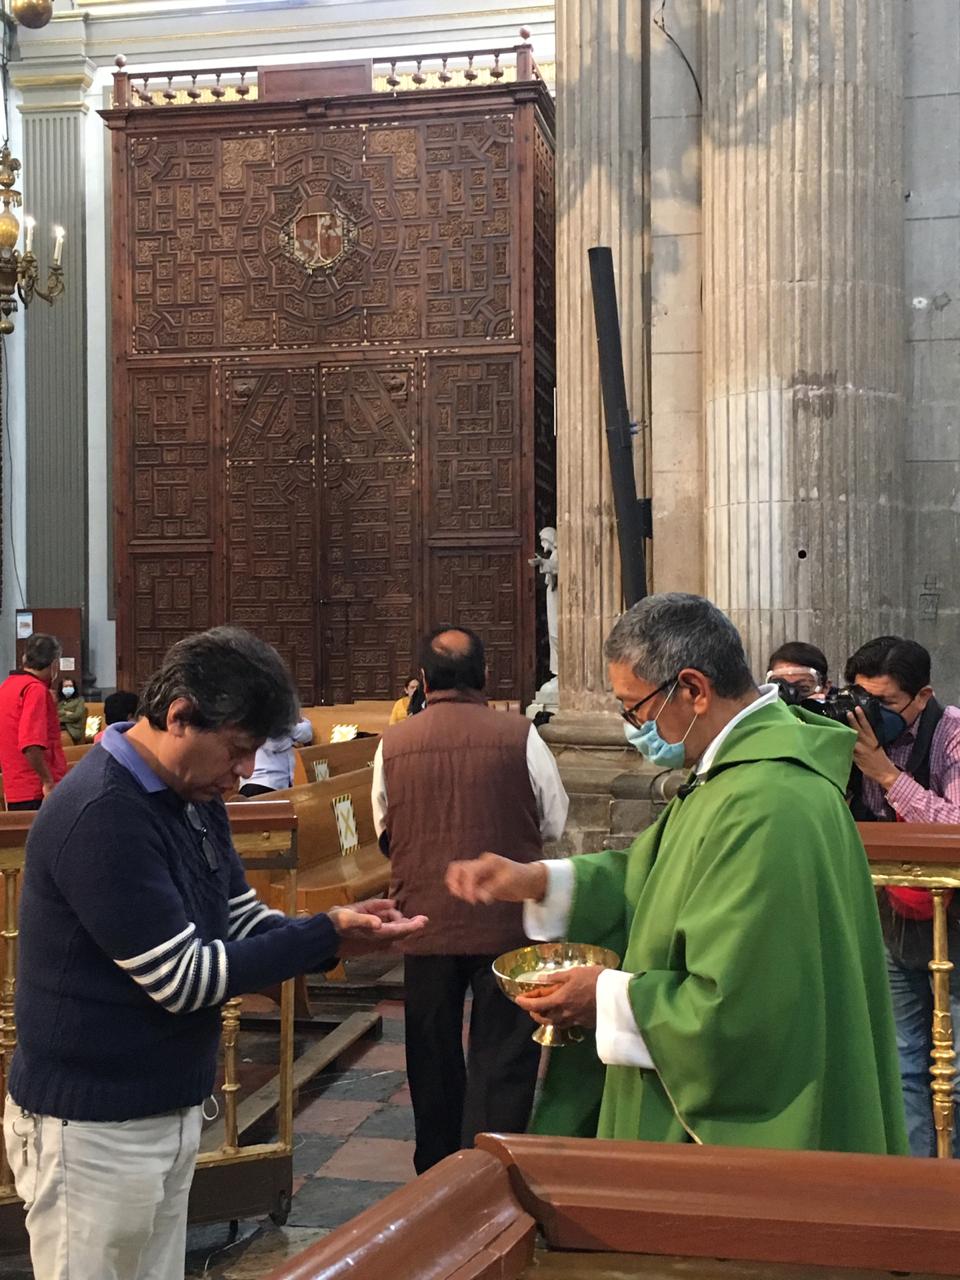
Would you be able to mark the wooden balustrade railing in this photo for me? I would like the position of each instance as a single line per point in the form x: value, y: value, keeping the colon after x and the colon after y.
x: 14, y: 828
x: 216, y: 86
x: 921, y: 855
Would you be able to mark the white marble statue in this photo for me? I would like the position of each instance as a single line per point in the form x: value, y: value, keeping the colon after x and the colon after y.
x: 549, y: 565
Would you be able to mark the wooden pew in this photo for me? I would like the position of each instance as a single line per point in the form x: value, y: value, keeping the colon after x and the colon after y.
x: 326, y: 877
x: 341, y: 757
x: 524, y: 1207
x: 369, y: 717
x: 76, y: 751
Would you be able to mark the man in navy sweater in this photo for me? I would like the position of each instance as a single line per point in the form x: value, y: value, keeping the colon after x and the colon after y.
x: 136, y: 924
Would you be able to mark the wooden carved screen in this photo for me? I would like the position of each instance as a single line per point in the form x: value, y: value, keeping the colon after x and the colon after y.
x: 370, y: 528
x: 334, y: 377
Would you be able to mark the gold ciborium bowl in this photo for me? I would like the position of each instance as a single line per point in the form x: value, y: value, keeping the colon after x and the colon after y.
x: 527, y: 972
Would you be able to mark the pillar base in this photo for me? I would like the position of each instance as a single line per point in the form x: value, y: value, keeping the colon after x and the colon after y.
x: 608, y: 782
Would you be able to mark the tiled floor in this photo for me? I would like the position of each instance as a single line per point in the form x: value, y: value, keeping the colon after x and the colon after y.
x: 353, y: 1145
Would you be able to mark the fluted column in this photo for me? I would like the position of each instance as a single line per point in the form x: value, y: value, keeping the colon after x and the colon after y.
x: 599, y: 201
x: 54, y: 111
x: 803, y: 367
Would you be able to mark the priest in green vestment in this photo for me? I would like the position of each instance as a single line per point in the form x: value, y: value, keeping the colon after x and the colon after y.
x: 752, y: 1006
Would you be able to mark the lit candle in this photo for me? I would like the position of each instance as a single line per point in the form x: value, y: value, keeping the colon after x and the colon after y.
x: 29, y: 223
x: 58, y: 246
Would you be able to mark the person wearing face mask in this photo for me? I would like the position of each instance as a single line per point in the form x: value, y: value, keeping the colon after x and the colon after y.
x: 751, y: 1007
x: 914, y: 777
x: 71, y: 710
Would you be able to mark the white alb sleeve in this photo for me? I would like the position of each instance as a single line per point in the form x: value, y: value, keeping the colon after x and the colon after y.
x: 547, y: 920
x: 552, y: 799
x: 378, y: 793
x: 619, y: 1042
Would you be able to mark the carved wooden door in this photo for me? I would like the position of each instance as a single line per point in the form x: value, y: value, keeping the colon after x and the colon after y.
x: 369, y: 535
x: 270, y: 417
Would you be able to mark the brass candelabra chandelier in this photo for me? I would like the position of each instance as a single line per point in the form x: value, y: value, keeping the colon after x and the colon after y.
x: 20, y: 271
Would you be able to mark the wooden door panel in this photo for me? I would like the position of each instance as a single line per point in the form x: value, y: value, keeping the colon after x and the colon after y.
x: 270, y: 418
x: 369, y: 528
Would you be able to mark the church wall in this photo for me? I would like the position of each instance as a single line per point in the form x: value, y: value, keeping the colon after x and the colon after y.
x: 101, y: 629
x: 932, y: 427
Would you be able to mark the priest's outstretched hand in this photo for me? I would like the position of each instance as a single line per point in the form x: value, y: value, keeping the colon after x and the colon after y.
x: 491, y: 878
x: 373, y: 925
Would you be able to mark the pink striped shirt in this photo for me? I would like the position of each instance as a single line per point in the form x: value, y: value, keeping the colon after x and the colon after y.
x: 906, y: 798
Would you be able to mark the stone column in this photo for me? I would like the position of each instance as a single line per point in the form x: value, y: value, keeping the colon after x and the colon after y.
x: 803, y: 365
x: 53, y: 185
x: 599, y: 201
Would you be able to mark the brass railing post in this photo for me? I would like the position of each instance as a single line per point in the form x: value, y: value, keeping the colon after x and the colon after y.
x: 231, y: 1084
x: 8, y: 1031
x: 942, y: 1054
x: 285, y: 1070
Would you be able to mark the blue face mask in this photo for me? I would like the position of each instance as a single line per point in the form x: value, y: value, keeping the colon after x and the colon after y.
x: 892, y: 724
x: 652, y: 746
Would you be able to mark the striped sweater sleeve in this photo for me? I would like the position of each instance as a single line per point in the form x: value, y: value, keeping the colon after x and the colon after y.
x: 117, y: 880
x: 247, y: 913
x: 182, y: 974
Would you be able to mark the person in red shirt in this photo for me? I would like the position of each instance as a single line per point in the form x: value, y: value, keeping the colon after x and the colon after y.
x: 31, y: 756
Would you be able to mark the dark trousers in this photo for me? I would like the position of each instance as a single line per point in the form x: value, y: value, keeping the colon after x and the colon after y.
x: 251, y: 789
x: 493, y: 1090
x: 25, y: 805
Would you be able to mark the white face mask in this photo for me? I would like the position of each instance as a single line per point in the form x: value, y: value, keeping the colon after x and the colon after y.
x: 67, y: 690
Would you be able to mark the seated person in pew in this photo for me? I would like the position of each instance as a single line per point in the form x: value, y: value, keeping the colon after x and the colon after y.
x: 118, y: 708
x: 401, y: 708
x: 751, y: 1007
x: 136, y: 924
x: 273, y: 764
x: 71, y: 710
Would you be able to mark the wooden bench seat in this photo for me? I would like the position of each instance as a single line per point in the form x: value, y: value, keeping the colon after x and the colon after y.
x: 326, y: 877
x: 369, y: 717
x: 341, y: 757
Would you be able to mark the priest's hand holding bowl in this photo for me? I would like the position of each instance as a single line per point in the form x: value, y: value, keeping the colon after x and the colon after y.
x: 374, y: 925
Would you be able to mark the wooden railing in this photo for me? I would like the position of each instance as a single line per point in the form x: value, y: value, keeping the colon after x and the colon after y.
x: 13, y: 837
x: 919, y: 855
x: 216, y: 86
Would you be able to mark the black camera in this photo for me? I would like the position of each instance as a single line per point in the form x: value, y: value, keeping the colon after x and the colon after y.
x: 837, y: 705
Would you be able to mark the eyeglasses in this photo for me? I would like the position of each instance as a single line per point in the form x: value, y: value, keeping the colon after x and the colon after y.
x: 630, y: 713
x: 206, y: 844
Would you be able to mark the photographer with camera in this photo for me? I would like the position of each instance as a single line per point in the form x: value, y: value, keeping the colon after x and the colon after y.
x: 914, y: 777
x: 800, y: 670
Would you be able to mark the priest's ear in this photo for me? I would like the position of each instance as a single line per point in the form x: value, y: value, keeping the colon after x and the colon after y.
x: 696, y: 689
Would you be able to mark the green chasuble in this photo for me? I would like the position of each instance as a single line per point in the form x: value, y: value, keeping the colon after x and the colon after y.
x: 747, y: 916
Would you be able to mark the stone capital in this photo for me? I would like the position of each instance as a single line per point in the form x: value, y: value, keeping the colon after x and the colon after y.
x: 53, y: 72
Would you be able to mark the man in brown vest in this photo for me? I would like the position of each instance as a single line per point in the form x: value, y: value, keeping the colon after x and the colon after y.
x: 449, y: 784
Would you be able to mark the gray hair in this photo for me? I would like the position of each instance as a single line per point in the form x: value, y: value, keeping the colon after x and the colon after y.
x: 663, y: 634
x: 41, y: 651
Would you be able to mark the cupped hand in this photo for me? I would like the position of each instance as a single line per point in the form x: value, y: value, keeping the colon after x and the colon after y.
x: 374, y: 925
x: 570, y: 999
x: 491, y: 878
